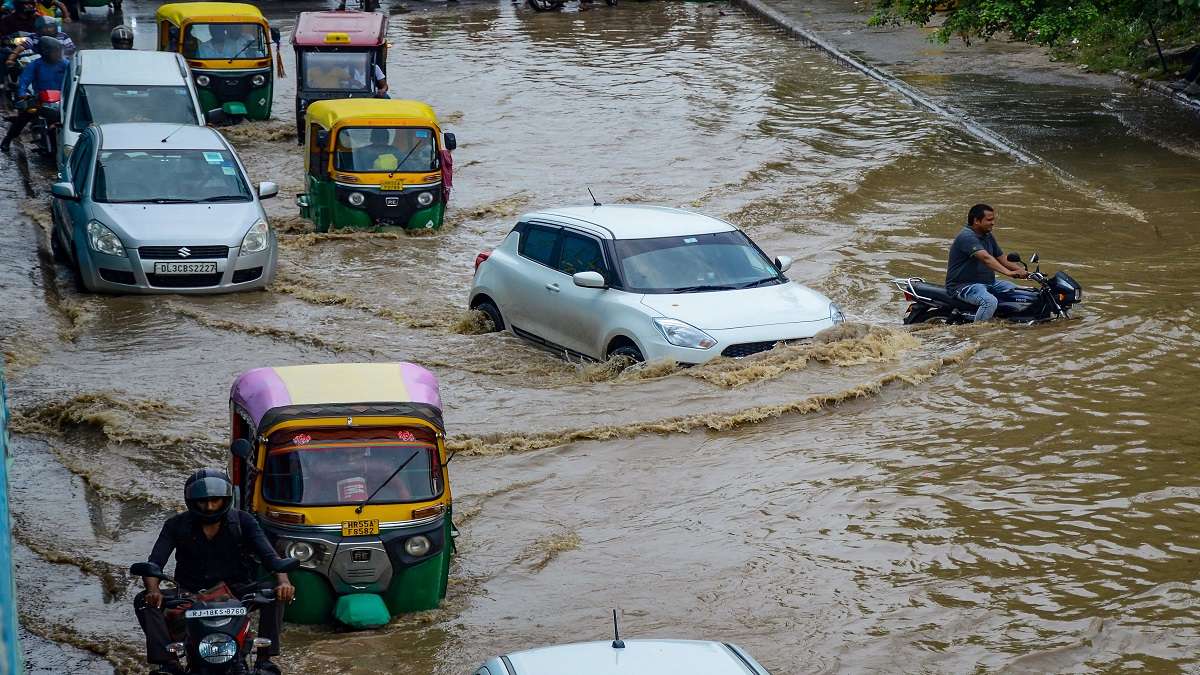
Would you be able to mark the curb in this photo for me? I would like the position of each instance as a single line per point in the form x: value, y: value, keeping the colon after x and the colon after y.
x: 1160, y: 89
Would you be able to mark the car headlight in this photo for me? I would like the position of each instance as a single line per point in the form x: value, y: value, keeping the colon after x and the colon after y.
x: 835, y: 314
x: 302, y: 551
x: 425, y: 198
x: 102, y: 240
x: 256, y: 238
x: 217, y: 648
x: 356, y: 199
x: 417, y: 546
x: 202, y: 80
x: 681, y: 334
x: 258, y: 80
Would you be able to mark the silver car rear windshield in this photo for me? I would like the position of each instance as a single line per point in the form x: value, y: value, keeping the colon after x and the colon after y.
x: 694, y: 263
x: 109, y: 103
x: 168, y: 177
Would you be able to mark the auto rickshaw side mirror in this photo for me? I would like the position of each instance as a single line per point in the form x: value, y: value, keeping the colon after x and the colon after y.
x: 241, y: 449
x: 449, y: 140
x: 275, y: 35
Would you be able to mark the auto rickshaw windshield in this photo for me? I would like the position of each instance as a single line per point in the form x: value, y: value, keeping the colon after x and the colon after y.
x: 341, y: 71
x: 224, y: 41
x: 343, y: 466
x: 402, y: 149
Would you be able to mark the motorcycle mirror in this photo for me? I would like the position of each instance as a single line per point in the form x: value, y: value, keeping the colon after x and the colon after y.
x: 241, y: 449
x: 1034, y: 259
x: 146, y: 569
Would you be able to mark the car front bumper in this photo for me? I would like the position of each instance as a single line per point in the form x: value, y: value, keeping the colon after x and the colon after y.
x: 132, y: 274
x: 732, y: 342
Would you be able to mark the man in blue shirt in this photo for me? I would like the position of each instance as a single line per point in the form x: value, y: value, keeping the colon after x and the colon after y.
x: 975, y: 258
x: 45, y: 74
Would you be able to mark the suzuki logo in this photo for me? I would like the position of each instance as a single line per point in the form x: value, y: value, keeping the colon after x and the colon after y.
x: 184, y: 251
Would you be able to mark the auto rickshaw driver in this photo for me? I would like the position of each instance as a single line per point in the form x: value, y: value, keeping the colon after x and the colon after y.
x: 410, y: 151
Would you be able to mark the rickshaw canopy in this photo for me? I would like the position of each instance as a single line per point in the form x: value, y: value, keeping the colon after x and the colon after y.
x: 372, y: 111
x: 340, y: 29
x: 271, y: 396
x: 179, y: 13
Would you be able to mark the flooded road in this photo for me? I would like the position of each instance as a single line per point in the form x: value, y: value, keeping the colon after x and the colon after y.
x: 944, y: 500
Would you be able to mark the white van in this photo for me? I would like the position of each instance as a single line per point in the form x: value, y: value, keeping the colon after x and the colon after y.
x: 104, y: 86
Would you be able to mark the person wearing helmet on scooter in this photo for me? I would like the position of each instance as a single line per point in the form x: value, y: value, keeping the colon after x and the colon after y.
x: 213, y: 543
x: 47, y: 26
x: 121, y: 37
x: 975, y: 258
x: 44, y: 74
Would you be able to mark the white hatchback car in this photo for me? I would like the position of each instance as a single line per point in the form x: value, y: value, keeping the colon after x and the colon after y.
x: 633, y: 657
x: 643, y: 282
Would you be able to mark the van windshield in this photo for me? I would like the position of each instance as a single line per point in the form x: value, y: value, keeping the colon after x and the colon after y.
x: 169, y: 176
x: 109, y: 103
x: 330, y: 467
x: 404, y: 149
x: 341, y: 71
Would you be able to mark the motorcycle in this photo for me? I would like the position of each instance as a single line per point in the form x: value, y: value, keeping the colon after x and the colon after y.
x: 217, y: 637
x: 932, y: 303
x: 47, y: 108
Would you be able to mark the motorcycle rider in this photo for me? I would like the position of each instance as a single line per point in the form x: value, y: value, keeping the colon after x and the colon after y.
x: 121, y: 37
x: 44, y: 74
x: 47, y: 26
x: 212, y: 543
x: 22, y: 18
x: 975, y: 258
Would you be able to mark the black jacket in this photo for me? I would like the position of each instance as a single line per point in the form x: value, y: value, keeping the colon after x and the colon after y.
x: 202, y: 563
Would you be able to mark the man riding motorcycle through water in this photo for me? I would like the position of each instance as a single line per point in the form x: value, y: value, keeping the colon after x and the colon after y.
x: 975, y: 258
x: 213, y: 543
x: 44, y: 74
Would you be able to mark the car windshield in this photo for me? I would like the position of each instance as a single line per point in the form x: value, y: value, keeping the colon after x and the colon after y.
x: 343, y: 71
x: 106, y: 103
x: 694, y: 263
x: 224, y: 41
x: 328, y: 467
x: 403, y: 149
x: 169, y: 176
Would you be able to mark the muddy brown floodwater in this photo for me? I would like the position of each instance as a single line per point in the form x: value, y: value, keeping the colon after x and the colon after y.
x: 941, y: 500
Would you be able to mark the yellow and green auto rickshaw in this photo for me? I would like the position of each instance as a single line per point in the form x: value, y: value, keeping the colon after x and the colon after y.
x: 374, y: 163
x: 228, y: 47
x: 345, y: 467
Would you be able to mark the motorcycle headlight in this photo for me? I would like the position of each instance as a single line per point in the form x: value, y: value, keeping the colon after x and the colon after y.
x: 300, y: 550
x: 217, y: 648
x: 258, y: 80
x: 417, y: 546
x: 202, y: 80
x: 102, y: 240
x: 356, y: 199
x: 835, y: 314
x: 681, y: 334
x: 425, y: 198
x: 256, y: 238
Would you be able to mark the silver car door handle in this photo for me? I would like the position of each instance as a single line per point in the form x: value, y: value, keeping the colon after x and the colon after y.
x: 553, y: 288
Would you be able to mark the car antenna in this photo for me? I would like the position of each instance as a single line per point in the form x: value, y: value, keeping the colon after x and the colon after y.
x: 594, y: 203
x: 173, y: 132
x: 618, y: 643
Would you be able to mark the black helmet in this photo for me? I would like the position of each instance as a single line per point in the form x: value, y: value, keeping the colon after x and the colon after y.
x: 47, y: 45
x: 208, y: 484
x: 121, y: 37
x: 42, y: 23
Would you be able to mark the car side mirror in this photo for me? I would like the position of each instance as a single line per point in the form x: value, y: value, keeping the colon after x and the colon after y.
x: 782, y: 263
x: 589, y: 279
x: 275, y: 35
x: 216, y: 117
x: 242, y: 449
x: 285, y: 565
x: 267, y: 189
x: 147, y: 569
x: 449, y: 140
x: 64, y: 190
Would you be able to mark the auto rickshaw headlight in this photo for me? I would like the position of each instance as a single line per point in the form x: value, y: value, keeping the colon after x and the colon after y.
x: 258, y: 80
x: 356, y: 199
x: 417, y: 546
x: 425, y: 198
x: 300, y: 550
x: 202, y: 80
x: 256, y: 239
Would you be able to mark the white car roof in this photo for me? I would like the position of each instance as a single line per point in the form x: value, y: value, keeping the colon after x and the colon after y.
x: 638, y: 657
x: 150, y: 135
x: 129, y: 66
x: 620, y: 221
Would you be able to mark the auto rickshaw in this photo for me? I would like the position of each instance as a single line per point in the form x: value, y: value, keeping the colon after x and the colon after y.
x: 375, y: 163
x: 226, y: 45
x: 337, y: 54
x: 345, y: 467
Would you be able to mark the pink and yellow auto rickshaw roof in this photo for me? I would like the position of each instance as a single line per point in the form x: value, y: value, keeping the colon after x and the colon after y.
x: 274, y: 395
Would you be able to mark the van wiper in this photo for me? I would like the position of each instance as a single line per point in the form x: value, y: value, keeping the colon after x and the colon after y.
x: 225, y: 198
x: 359, y: 508
x: 694, y: 289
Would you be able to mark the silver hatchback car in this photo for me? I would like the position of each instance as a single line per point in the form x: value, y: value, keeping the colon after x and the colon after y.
x: 161, y: 208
